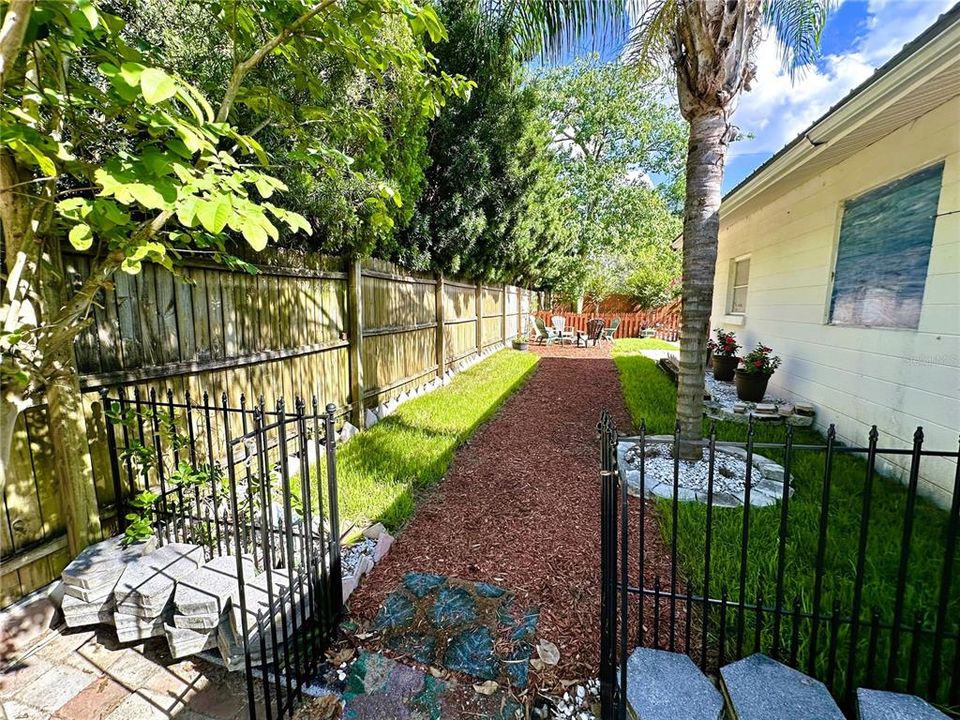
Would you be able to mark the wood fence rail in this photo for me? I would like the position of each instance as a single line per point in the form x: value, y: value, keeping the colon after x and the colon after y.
x: 357, y: 334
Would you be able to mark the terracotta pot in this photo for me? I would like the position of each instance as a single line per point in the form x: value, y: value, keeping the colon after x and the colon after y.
x: 751, y: 387
x: 723, y: 367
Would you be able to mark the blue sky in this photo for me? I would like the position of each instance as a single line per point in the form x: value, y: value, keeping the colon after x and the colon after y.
x: 859, y: 37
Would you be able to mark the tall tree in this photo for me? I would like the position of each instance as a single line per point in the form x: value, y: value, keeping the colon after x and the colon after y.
x: 711, y: 45
x: 612, y: 133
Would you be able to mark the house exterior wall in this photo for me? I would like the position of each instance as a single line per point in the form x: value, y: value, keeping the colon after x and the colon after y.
x: 856, y: 376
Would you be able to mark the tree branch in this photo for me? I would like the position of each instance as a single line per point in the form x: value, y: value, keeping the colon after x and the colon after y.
x: 242, y: 69
x: 11, y: 35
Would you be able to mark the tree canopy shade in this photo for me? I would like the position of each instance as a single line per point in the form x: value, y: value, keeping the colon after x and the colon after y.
x: 612, y: 133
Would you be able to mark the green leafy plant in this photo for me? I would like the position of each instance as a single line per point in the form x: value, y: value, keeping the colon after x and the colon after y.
x: 725, y: 344
x: 140, y: 521
x: 759, y: 361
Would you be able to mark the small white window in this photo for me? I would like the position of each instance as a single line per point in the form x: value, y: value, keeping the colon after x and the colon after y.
x: 739, y: 279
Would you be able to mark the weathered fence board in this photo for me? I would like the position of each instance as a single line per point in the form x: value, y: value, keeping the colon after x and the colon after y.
x: 209, y: 330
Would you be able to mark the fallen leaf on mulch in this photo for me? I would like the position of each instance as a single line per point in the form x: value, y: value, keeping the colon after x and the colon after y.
x: 345, y: 655
x: 326, y: 707
x: 548, y: 652
x: 487, y: 688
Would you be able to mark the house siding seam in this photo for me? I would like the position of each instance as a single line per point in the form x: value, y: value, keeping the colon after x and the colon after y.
x: 857, y: 376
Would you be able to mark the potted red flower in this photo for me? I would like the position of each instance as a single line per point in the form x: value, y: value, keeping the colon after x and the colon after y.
x: 752, y: 378
x: 724, y: 349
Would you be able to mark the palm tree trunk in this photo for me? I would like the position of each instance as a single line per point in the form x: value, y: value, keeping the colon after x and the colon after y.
x: 701, y: 227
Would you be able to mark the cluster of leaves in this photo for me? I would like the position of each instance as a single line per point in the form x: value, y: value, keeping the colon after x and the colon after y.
x: 341, y: 110
x: 492, y: 207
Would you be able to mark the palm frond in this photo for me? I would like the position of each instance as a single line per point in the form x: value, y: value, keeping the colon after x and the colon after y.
x: 550, y: 27
x: 798, y: 25
x: 653, y: 30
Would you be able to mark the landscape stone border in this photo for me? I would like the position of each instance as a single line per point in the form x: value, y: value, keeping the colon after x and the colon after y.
x: 766, y: 486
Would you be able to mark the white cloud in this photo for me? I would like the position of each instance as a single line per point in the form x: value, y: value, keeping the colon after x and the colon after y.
x: 777, y: 109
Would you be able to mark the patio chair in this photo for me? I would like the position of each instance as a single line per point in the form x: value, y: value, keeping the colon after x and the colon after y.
x: 543, y: 334
x: 593, y: 332
x: 609, y: 332
x: 559, y: 323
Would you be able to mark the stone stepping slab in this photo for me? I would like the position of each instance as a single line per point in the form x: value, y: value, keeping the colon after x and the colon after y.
x: 100, y: 565
x: 79, y: 613
x: 760, y: 688
x: 881, y: 705
x: 258, y: 599
x: 132, y: 628
x: 206, y: 590
x: 185, y: 642
x: 663, y: 685
x: 146, y: 585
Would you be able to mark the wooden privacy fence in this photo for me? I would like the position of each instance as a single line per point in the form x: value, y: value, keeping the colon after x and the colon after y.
x: 356, y: 334
x: 665, y: 320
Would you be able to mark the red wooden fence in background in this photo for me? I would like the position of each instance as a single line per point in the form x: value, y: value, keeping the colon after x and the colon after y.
x: 665, y: 320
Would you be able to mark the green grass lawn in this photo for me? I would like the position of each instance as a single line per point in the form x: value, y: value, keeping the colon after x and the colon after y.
x: 650, y: 396
x: 634, y: 345
x: 380, y: 470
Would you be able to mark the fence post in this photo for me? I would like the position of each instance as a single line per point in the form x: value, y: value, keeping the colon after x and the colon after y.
x: 355, y: 333
x: 440, y: 341
x: 503, y: 312
x: 479, y: 302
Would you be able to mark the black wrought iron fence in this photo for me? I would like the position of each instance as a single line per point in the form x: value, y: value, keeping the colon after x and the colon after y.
x: 693, y: 572
x: 253, y: 483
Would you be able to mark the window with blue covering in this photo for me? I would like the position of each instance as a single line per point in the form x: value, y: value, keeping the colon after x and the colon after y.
x: 883, y: 253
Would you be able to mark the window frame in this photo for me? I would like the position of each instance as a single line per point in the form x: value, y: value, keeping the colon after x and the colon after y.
x: 841, y: 207
x: 732, y: 287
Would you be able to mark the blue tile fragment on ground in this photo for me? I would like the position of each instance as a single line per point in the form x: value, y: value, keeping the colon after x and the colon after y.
x: 475, y: 628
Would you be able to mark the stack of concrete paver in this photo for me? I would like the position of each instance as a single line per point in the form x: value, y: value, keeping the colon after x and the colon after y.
x: 260, y: 596
x: 89, y: 580
x: 200, y: 600
x: 143, y: 593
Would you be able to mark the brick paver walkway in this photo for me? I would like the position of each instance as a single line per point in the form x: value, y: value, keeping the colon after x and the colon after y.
x: 87, y: 675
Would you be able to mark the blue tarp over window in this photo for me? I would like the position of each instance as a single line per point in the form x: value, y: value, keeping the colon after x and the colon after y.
x: 884, y: 250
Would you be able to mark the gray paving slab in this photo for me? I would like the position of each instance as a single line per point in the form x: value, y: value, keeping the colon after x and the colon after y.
x: 882, y: 705
x: 146, y: 586
x: 206, y: 590
x: 184, y: 642
x: 197, y: 622
x: 78, y: 613
x: 663, y: 685
x: 760, y: 688
x: 103, y: 562
x: 231, y: 651
x: 257, y: 598
x: 131, y: 628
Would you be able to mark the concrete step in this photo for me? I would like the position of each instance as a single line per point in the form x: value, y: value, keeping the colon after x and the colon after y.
x: 881, y: 705
x: 760, y: 688
x: 662, y: 685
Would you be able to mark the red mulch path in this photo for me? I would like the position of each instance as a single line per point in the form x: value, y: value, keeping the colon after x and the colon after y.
x: 520, y: 507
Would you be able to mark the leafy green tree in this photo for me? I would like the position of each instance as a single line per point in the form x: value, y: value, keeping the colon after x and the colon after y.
x: 491, y: 205
x: 711, y: 46
x: 101, y: 148
x: 612, y: 133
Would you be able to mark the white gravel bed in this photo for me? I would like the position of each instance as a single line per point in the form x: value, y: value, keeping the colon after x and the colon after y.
x: 729, y: 470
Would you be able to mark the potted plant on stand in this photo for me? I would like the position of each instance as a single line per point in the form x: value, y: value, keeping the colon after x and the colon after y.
x: 753, y: 377
x: 724, y: 351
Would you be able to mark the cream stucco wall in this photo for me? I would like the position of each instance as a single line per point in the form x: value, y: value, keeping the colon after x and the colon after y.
x: 856, y: 377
